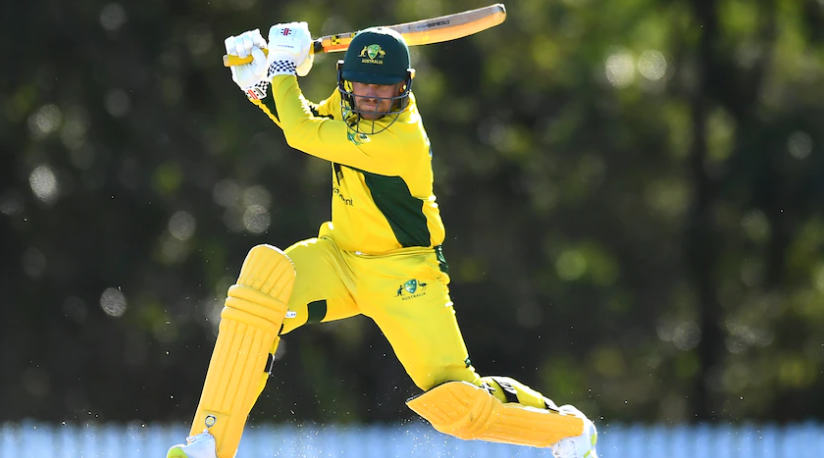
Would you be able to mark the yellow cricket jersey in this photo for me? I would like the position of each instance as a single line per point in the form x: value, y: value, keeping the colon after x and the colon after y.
x: 382, y: 197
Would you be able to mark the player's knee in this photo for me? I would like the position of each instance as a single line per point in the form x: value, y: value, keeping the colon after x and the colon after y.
x: 267, y: 269
x: 264, y: 285
x: 303, y: 249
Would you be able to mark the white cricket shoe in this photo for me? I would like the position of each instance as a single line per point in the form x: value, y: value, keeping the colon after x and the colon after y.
x: 582, y: 446
x: 200, y: 446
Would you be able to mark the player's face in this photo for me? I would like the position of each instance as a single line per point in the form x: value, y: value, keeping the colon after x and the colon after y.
x: 374, y: 100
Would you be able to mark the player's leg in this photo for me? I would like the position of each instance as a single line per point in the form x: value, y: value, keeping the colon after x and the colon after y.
x: 250, y: 321
x: 323, y: 286
x: 321, y: 292
x: 468, y: 411
x: 419, y: 322
x: 318, y: 278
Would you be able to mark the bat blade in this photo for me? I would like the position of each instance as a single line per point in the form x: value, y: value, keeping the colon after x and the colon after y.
x: 424, y: 32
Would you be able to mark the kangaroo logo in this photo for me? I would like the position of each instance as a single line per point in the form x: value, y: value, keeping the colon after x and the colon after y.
x: 372, y: 51
x: 412, y: 287
x: 372, y: 54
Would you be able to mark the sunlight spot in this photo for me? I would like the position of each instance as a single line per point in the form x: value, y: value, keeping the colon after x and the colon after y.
x: 113, y: 302
x: 800, y: 145
x: 118, y: 103
x: 44, y: 121
x: 112, y: 16
x: 182, y: 225
x: 44, y: 184
x: 620, y: 69
x: 226, y: 193
x: 571, y: 265
x: 756, y: 226
x: 652, y: 65
x: 256, y: 219
x: 257, y: 195
x: 687, y: 335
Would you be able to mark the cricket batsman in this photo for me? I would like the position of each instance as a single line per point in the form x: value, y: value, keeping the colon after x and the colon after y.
x: 380, y: 256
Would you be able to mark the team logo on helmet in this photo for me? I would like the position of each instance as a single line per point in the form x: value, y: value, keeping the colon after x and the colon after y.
x: 371, y: 54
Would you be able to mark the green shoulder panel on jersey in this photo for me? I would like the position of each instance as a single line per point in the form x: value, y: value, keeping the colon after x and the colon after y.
x: 269, y: 102
x: 315, y: 112
x: 403, y: 211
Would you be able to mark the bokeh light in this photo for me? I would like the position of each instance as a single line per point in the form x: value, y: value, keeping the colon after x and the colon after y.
x: 113, y: 302
x: 44, y: 184
x: 112, y: 16
x: 182, y: 225
x: 256, y: 219
x: 620, y: 69
x: 44, y: 121
x: 800, y: 145
x: 652, y: 65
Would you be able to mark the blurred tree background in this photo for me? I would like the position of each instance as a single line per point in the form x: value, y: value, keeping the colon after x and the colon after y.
x: 632, y: 191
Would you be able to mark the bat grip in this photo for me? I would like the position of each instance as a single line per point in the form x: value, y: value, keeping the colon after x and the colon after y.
x: 231, y: 61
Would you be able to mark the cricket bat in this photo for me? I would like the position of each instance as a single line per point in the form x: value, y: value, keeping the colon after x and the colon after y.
x: 424, y: 32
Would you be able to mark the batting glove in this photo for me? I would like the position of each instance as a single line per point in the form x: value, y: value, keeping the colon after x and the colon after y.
x: 251, y: 77
x: 290, y: 49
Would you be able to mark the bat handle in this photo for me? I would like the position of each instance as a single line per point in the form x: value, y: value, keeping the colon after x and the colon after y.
x: 317, y: 46
x: 231, y: 61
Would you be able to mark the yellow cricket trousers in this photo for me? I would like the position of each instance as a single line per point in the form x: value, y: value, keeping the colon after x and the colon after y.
x: 404, y: 293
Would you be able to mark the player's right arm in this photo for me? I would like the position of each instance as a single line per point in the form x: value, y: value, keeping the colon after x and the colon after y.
x: 329, y: 139
x: 332, y: 139
x: 268, y: 106
x: 320, y: 110
x: 304, y: 124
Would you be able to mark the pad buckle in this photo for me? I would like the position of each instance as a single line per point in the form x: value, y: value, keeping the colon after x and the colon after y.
x: 270, y: 365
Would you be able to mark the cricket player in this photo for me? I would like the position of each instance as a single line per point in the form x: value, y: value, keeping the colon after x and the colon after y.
x: 380, y: 256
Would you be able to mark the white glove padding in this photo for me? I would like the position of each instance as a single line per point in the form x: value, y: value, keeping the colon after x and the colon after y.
x: 290, y: 49
x: 251, y: 77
